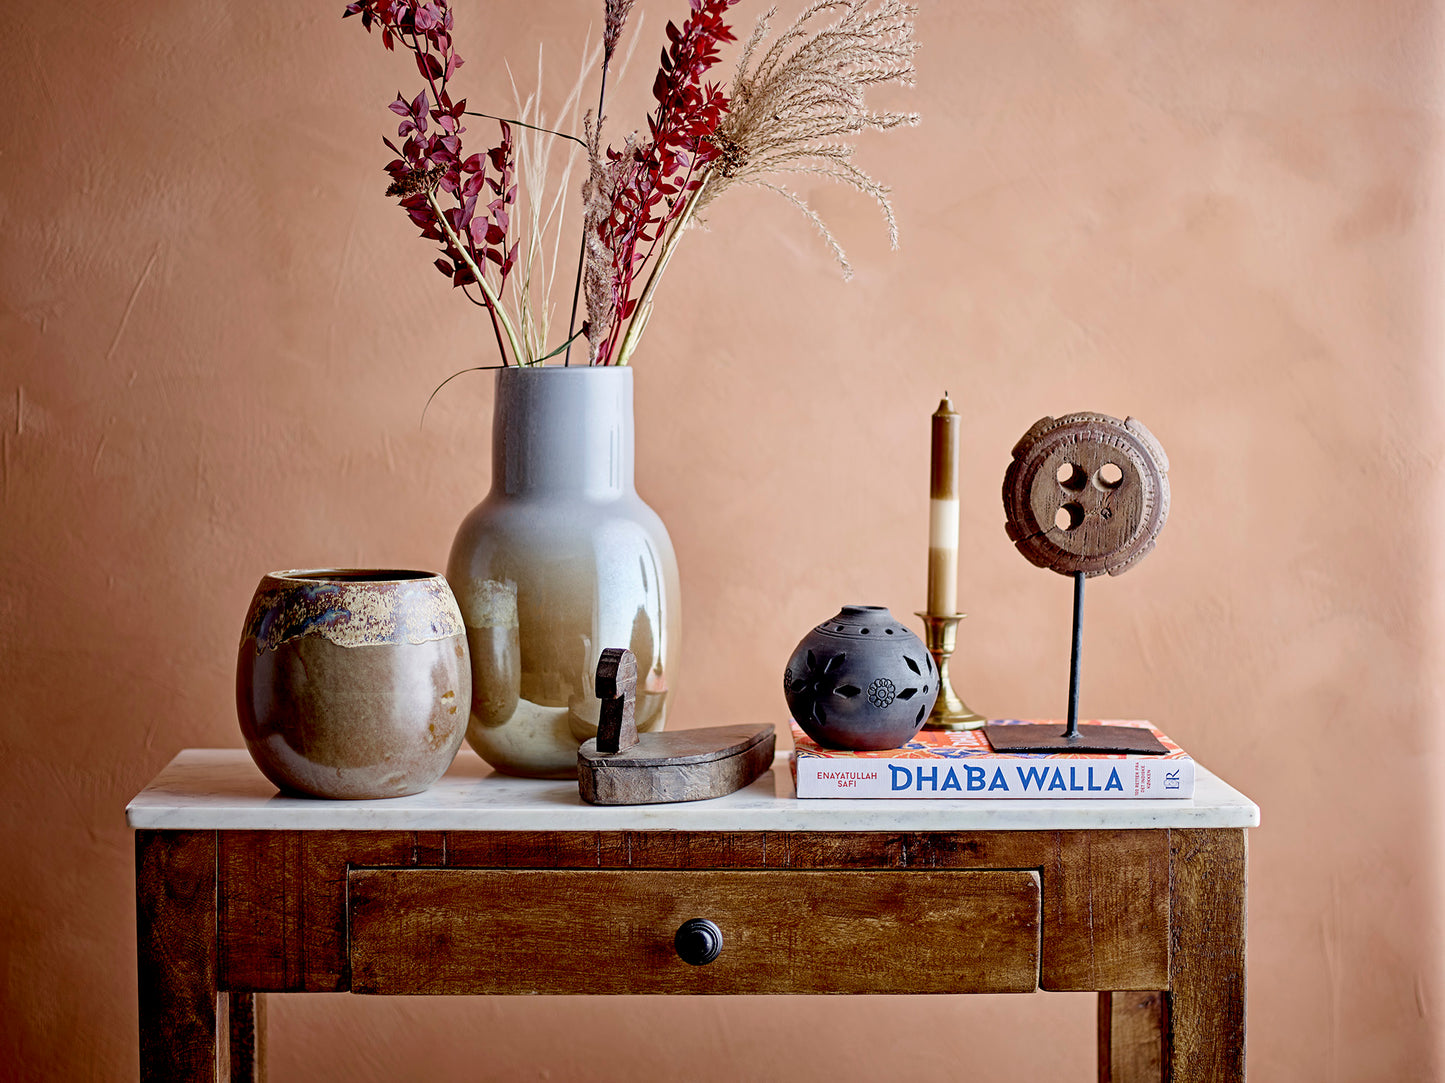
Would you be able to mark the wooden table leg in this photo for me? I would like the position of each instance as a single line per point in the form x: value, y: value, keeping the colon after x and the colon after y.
x: 1132, y: 1042
x: 184, y: 1019
x: 1206, y: 965
x: 248, y: 1037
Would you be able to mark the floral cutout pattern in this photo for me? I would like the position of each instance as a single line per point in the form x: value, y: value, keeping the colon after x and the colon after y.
x: 811, y: 688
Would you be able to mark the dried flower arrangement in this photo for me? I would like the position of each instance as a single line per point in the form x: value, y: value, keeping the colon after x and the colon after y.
x: 792, y: 105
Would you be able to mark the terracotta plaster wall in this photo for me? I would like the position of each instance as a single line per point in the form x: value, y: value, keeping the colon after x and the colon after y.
x: 216, y: 338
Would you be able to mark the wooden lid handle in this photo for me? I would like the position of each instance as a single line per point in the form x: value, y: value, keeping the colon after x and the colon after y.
x: 617, y: 689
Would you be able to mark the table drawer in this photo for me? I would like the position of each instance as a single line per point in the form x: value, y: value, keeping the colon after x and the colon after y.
x: 612, y: 931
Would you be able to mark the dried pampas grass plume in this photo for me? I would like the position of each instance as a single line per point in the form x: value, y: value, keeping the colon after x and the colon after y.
x: 614, y: 18
x: 598, y: 192
x: 805, y: 92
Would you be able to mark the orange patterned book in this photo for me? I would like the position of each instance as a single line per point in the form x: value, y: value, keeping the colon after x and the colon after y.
x: 942, y: 764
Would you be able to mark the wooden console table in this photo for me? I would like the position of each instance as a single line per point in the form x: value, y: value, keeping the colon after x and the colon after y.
x: 487, y: 884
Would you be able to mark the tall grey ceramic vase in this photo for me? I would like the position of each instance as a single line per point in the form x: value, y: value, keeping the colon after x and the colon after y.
x: 560, y: 561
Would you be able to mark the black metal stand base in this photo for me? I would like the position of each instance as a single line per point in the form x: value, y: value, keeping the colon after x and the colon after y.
x: 1051, y: 737
x: 1074, y: 738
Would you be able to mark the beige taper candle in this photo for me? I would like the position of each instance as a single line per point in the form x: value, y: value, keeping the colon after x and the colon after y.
x: 943, y: 512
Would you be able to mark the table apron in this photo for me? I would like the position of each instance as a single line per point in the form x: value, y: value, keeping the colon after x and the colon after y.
x: 1102, y: 914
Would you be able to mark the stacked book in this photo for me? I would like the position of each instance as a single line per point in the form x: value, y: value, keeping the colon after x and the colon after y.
x: 963, y: 765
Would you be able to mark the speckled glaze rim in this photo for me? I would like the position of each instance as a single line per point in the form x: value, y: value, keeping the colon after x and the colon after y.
x: 352, y: 607
x: 354, y: 575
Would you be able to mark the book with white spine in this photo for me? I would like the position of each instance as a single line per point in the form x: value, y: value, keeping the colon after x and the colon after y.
x: 962, y: 765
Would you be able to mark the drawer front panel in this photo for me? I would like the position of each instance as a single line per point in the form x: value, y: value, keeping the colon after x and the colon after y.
x: 604, y: 931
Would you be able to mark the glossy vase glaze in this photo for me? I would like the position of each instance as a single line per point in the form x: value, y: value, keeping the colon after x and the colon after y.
x: 353, y: 684
x: 860, y: 681
x: 559, y: 562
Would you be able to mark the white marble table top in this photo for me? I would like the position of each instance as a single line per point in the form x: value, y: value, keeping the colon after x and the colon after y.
x: 220, y: 789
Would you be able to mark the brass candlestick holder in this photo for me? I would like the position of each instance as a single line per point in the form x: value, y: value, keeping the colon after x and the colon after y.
x: 949, y: 711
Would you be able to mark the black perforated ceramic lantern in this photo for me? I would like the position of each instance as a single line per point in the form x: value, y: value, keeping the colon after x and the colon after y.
x: 860, y: 681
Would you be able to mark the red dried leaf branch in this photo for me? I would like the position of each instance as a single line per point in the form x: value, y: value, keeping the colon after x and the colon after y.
x: 645, y: 186
x: 472, y: 233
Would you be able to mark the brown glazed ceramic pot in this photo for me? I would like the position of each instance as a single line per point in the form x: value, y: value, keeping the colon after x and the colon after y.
x: 353, y: 684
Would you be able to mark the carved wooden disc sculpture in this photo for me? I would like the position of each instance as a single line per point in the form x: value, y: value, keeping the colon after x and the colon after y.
x: 1086, y: 493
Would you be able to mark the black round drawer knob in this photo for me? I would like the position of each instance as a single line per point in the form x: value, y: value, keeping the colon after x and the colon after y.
x: 698, y: 941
